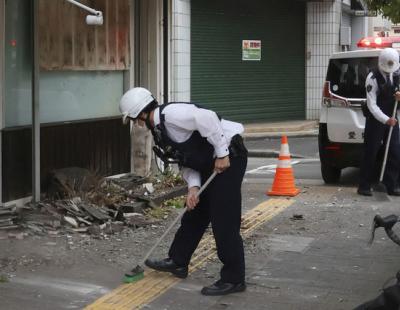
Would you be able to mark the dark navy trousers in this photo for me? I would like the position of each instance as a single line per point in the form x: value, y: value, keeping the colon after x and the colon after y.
x: 221, y: 205
x: 375, y: 135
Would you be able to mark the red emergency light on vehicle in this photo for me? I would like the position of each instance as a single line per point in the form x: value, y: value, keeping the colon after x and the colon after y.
x: 379, y: 42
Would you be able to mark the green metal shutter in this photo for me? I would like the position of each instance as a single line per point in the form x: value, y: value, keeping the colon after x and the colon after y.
x: 272, y: 89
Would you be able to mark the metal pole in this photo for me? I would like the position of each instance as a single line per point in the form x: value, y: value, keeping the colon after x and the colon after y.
x: 35, y: 105
x: 180, y: 214
x: 133, y: 40
x: 165, y: 48
x: 2, y: 81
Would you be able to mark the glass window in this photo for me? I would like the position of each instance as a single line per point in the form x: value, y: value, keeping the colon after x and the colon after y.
x: 348, y: 75
x: 64, y: 95
x: 74, y: 95
x: 18, y: 74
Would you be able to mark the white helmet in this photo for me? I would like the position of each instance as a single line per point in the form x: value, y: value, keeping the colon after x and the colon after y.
x: 133, y: 102
x: 389, y: 60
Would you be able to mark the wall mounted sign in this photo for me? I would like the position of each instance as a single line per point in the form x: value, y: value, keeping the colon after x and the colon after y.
x: 366, y: 13
x: 251, y: 50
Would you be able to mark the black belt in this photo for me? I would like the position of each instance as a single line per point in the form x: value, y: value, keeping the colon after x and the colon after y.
x: 237, y: 147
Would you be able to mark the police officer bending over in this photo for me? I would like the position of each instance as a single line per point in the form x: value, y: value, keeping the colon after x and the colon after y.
x: 382, y: 91
x: 201, y: 143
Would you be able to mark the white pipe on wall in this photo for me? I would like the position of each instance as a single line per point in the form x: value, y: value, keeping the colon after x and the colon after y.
x: 95, y: 19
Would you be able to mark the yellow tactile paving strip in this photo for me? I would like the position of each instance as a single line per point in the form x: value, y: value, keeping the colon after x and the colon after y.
x: 135, y: 295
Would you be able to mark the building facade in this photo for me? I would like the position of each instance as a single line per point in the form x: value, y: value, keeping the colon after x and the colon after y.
x: 252, y: 61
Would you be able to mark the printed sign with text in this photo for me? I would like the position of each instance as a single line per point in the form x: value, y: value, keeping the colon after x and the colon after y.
x: 251, y: 50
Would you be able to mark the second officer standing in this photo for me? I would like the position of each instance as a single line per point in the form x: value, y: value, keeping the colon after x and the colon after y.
x: 382, y: 91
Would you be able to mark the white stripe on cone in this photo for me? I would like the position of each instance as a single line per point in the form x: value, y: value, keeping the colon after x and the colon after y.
x: 284, y: 150
x: 285, y: 163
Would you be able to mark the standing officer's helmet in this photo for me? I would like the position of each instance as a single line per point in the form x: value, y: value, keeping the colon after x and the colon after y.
x: 133, y: 102
x: 389, y: 60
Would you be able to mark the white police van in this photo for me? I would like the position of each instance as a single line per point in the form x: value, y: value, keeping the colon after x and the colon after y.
x: 342, y: 122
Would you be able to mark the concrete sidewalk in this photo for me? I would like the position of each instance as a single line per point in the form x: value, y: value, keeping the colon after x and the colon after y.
x: 313, y: 256
x: 300, y: 128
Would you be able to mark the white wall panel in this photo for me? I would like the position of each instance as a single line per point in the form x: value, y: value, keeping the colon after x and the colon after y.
x: 180, y: 50
x: 323, y: 23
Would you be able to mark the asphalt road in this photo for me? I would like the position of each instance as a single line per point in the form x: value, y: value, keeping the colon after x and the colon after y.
x: 306, y: 146
x: 306, y: 169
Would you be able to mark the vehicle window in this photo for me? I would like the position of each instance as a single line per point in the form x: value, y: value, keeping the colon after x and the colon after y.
x: 347, y: 76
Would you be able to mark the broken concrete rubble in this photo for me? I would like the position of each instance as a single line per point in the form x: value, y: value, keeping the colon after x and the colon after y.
x: 114, y: 205
x: 137, y: 220
x: 71, y: 221
x: 7, y: 218
x: 149, y: 187
x: 63, y: 182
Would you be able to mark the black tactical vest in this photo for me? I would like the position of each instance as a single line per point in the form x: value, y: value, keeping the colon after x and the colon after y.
x: 196, y: 152
x: 385, y: 97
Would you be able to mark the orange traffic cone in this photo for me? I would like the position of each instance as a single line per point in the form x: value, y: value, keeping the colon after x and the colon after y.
x: 284, y: 180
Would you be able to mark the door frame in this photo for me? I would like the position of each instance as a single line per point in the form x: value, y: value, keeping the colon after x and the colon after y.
x: 148, y: 68
x: 151, y: 36
x: 150, y: 47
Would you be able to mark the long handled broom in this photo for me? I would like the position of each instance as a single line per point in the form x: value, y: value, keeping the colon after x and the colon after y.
x: 137, y: 273
x: 380, y: 189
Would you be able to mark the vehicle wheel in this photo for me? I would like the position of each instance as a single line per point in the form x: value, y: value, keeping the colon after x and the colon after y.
x: 330, y: 174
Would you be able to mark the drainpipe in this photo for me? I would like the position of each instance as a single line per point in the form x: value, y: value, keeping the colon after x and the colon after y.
x: 35, y: 104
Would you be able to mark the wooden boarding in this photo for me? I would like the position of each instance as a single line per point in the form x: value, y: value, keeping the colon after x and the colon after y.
x: 66, y: 42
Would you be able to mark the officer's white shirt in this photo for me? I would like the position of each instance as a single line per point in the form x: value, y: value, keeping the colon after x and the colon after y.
x: 372, y: 95
x: 182, y: 119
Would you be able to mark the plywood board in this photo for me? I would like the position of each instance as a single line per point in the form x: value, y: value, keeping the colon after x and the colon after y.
x: 66, y: 42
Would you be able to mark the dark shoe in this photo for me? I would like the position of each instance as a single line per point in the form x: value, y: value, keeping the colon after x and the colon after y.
x: 223, y: 288
x: 364, y: 192
x: 168, y: 265
x: 395, y: 192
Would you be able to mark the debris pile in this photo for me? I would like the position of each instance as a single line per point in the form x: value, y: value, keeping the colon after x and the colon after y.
x: 85, y: 217
x: 7, y: 218
x: 104, y: 206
